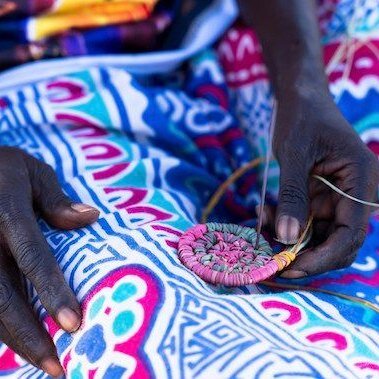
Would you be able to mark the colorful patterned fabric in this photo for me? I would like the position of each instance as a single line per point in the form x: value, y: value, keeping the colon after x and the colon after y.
x: 148, y: 152
x: 68, y: 28
x: 220, y: 14
x: 52, y: 17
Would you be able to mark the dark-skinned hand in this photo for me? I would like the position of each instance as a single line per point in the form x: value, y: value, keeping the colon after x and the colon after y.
x: 312, y: 137
x: 28, y: 186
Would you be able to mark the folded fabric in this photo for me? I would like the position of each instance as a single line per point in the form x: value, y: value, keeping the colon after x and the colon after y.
x: 59, y: 16
x: 68, y: 28
x: 220, y: 14
x: 111, y: 39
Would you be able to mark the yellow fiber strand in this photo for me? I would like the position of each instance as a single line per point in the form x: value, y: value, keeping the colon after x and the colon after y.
x: 224, y: 186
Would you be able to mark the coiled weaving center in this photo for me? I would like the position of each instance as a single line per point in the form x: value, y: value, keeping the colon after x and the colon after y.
x: 224, y: 253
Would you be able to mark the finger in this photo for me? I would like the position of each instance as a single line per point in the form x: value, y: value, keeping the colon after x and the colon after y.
x: 31, y: 344
x: 12, y: 272
x: 21, y: 330
x: 35, y: 260
x: 292, y: 211
x: 338, y: 251
x: 359, y: 180
x: 56, y: 208
x: 357, y: 176
x: 8, y: 340
x: 351, y: 219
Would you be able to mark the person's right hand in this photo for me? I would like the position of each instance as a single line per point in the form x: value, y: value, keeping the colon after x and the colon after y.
x: 313, y: 138
x: 28, y: 186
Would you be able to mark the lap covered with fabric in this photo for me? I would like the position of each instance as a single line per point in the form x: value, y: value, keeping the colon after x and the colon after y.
x: 148, y: 155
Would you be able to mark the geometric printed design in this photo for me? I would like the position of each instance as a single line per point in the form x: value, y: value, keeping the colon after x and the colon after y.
x: 149, y: 156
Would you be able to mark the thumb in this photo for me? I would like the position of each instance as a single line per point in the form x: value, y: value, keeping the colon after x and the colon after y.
x: 293, y: 202
x: 56, y: 208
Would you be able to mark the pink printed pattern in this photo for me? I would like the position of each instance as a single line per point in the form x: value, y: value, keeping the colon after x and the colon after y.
x: 241, y: 56
x: 108, y: 159
x: 287, y: 311
x: 117, y: 315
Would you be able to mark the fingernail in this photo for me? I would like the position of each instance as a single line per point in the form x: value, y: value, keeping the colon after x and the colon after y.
x: 293, y: 274
x: 52, y: 367
x: 288, y: 229
x: 82, y: 208
x: 69, y: 320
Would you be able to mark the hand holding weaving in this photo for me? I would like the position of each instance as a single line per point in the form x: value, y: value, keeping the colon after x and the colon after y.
x: 312, y: 137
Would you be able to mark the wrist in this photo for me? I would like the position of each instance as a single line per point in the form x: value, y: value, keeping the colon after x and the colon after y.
x: 309, y: 83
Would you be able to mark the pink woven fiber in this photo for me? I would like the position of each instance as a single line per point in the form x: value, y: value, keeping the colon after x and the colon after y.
x: 225, y: 254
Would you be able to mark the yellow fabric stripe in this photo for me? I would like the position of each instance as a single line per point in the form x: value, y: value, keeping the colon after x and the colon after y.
x: 93, y: 13
x: 68, y: 6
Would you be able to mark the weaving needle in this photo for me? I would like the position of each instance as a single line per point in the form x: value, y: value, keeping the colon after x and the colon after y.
x: 270, y: 135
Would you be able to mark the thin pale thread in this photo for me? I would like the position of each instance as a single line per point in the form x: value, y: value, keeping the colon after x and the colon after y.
x: 266, y: 167
x: 351, y: 49
x: 339, y: 53
x: 339, y: 191
x: 347, y: 50
x: 254, y: 163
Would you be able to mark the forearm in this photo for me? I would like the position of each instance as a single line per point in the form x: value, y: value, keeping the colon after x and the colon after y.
x: 288, y: 32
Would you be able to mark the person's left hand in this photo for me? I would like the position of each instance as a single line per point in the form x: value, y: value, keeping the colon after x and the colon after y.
x: 312, y: 137
x: 28, y: 186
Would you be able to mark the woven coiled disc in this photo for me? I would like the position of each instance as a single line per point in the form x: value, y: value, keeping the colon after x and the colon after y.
x: 225, y: 254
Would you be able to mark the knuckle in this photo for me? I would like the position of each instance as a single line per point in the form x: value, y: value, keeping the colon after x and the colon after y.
x: 29, y: 260
x: 348, y: 260
x: 6, y: 296
x: 357, y: 238
x: 368, y: 160
x: 9, y: 211
x: 46, y: 189
x: 53, y: 199
x: 46, y: 172
x: 39, y: 171
x: 366, y: 163
x: 50, y: 294
x: 33, y: 344
x: 26, y: 335
x: 15, y: 173
x: 293, y: 193
x: 371, y: 158
x: 11, y: 153
x: 295, y: 151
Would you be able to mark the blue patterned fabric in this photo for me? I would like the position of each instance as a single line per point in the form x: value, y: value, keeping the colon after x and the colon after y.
x: 148, y: 153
